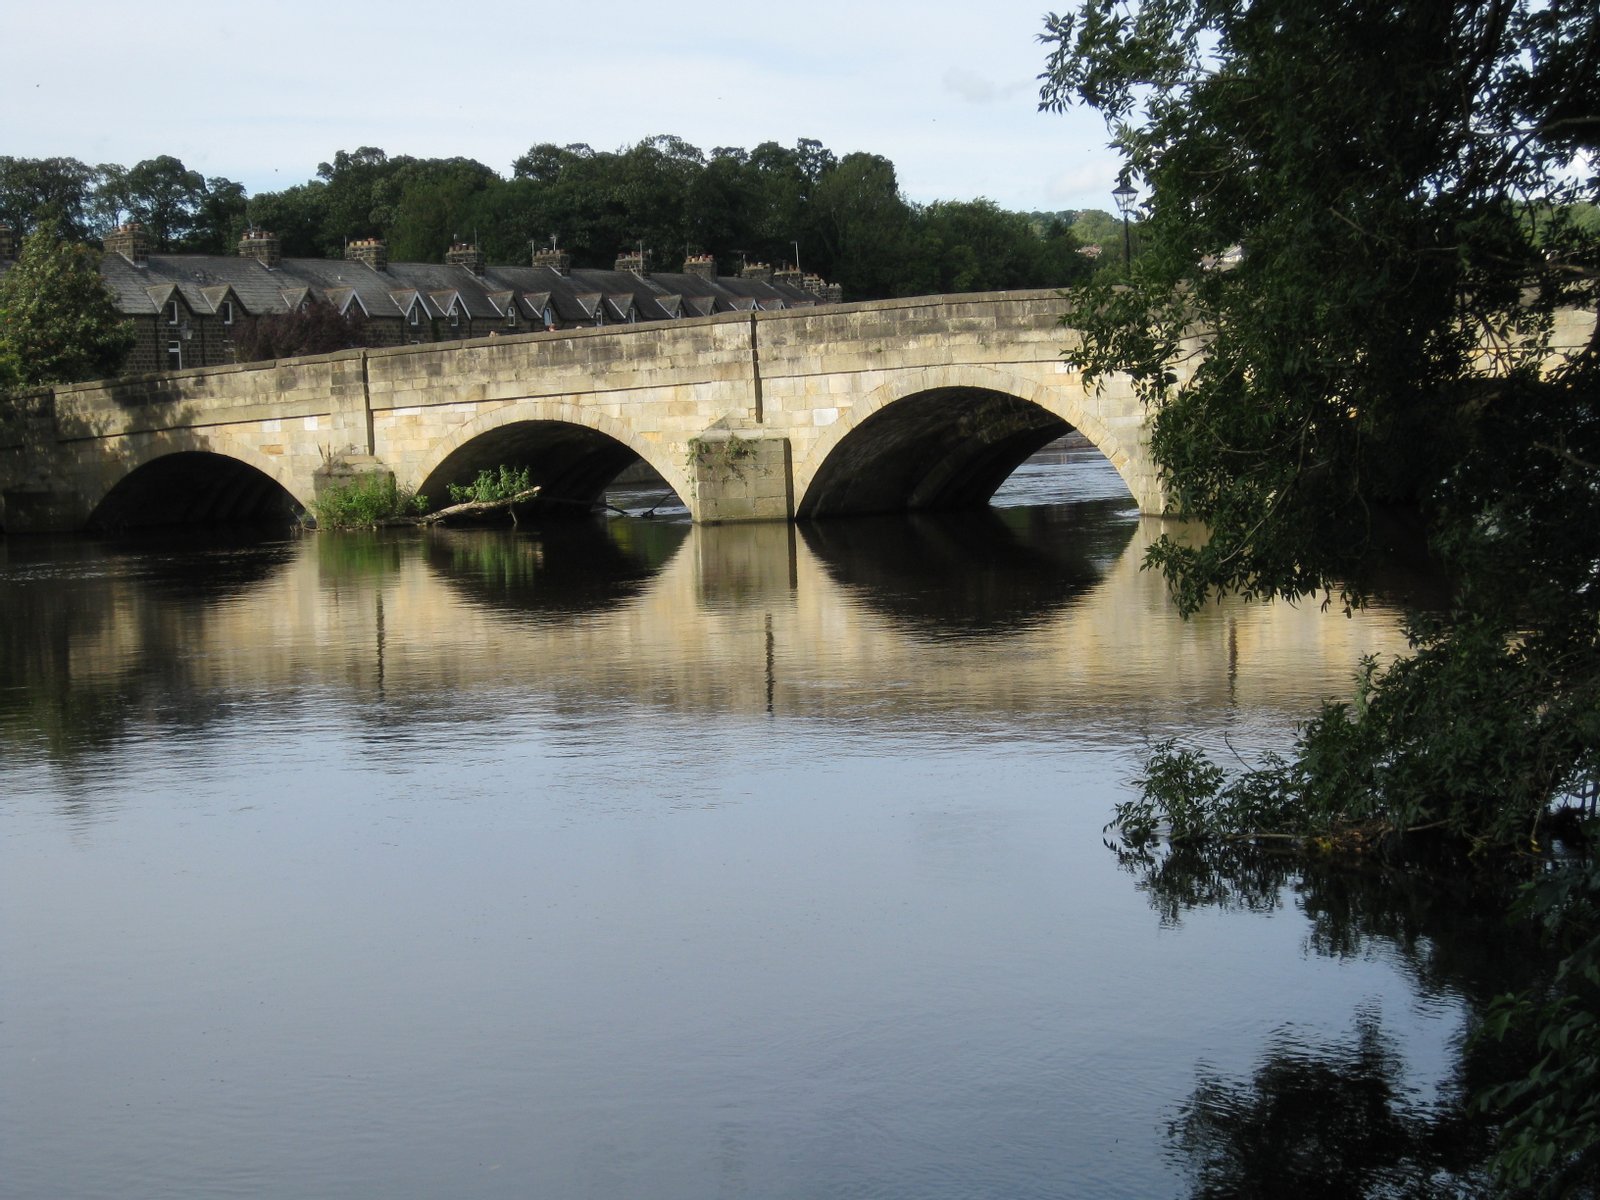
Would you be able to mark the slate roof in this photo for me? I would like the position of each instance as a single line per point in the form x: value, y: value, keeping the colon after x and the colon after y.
x: 204, y: 282
x: 196, y: 278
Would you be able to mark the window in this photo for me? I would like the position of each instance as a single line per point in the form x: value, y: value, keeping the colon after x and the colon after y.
x: 511, y: 313
x: 455, y: 318
x: 227, y: 312
x: 415, y: 319
x: 172, y: 312
x: 174, y: 356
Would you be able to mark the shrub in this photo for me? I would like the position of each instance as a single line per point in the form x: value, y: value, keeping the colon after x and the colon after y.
x: 368, y: 502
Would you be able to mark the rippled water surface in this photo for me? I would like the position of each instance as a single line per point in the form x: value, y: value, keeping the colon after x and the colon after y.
x: 634, y: 859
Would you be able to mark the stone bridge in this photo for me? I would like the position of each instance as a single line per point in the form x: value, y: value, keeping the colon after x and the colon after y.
x: 904, y: 404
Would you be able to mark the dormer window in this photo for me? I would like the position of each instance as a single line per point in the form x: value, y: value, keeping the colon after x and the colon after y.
x: 172, y: 312
x: 511, y: 314
x: 416, y: 318
x: 455, y: 318
x: 549, y: 317
x: 227, y: 312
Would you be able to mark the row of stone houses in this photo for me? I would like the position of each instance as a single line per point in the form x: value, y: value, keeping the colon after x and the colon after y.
x: 185, y: 307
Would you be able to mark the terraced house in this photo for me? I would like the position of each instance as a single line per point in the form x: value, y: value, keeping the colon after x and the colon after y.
x: 186, y: 308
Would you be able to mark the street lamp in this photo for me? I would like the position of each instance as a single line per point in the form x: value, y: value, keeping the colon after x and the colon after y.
x: 1127, y: 198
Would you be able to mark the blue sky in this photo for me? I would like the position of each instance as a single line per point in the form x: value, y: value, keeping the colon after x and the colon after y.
x: 945, y: 90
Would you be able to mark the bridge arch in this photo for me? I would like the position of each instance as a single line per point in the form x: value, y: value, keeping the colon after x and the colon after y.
x: 572, y: 451
x: 157, y: 481
x: 947, y: 438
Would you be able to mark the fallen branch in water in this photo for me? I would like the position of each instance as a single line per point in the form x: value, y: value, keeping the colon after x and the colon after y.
x: 471, y: 508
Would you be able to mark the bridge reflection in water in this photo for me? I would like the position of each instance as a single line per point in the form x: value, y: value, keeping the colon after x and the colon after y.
x: 1051, y: 632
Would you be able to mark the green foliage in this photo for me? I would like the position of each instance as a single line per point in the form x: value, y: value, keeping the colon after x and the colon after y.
x: 297, y: 215
x: 1401, y: 181
x: 58, y: 324
x: 48, y: 191
x: 491, y: 486
x: 1337, y: 372
x: 1551, y: 1144
x: 1188, y: 798
x: 720, y: 456
x: 366, y: 503
x: 315, y: 327
x: 180, y: 208
x: 846, y: 215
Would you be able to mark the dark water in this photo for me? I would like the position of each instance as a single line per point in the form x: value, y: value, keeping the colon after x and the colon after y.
x: 638, y: 860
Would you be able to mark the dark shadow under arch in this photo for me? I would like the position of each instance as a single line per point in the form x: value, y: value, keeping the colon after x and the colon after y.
x: 194, y: 487
x: 950, y: 448
x: 571, y: 570
x: 572, y: 464
x: 972, y: 574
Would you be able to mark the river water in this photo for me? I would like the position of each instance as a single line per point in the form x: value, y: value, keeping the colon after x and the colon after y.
x: 631, y: 859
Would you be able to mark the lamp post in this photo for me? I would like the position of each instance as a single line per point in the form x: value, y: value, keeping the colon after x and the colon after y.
x: 1127, y: 198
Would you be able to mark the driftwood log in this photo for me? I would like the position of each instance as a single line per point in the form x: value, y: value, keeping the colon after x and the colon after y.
x: 472, y: 508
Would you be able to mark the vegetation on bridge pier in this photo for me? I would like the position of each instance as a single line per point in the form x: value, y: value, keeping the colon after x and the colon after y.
x: 375, y: 501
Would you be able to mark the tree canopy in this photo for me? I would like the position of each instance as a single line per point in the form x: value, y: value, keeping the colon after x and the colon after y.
x: 1401, y: 182
x: 844, y: 216
x: 1367, y: 227
x: 58, y: 324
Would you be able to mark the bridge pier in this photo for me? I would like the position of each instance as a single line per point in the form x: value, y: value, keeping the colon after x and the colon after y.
x: 34, y: 496
x: 741, y: 475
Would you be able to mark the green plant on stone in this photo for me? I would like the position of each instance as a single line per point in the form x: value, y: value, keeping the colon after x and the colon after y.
x: 721, y: 455
x: 491, y: 486
x: 366, y: 503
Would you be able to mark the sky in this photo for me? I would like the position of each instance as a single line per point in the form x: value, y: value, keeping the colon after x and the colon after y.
x: 945, y: 89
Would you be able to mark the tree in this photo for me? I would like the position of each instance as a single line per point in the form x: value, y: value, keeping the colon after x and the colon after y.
x: 315, y: 327
x: 1403, y: 182
x: 1398, y: 178
x: 42, y: 191
x: 351, y: 199
x: 424, y: 206
x: 166, y: 197
x: 297, y: 215
x: 863, y: 226
x: 220, y: 218
x: 58, y: 324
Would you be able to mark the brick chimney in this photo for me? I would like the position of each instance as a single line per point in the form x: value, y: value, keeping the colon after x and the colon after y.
x: 760, y: 272
x: 632, y: 260
x: 558, y: 261
x: 130, y: 241
x: 835, y: 293
x: 816, y: 287
x: 465, y: 254
x: 702, y: 265
x: 371, y: 251
x: 789, y: 275
x: 8, y: 243
x: 261, y: 245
